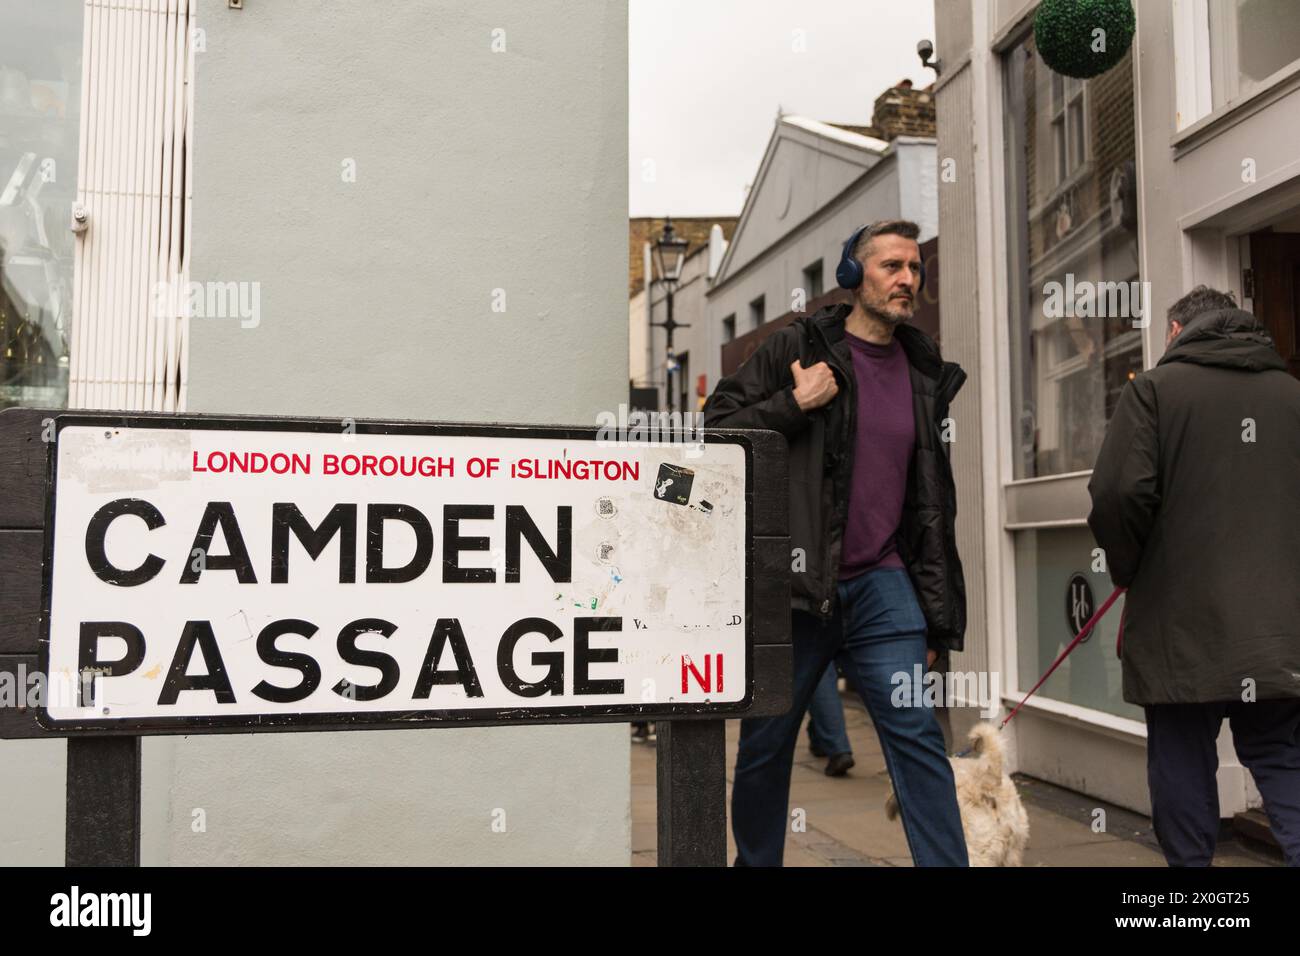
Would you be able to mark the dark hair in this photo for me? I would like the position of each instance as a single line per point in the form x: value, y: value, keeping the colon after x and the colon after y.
x: 885, y: 227
x: 1201, y: 299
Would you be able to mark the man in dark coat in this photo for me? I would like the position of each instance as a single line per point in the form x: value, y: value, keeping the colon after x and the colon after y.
x: 862, y: 399
x: 1196, y: 503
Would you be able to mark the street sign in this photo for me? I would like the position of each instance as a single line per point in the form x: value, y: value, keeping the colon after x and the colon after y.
x: 168, y: 574
x: 267, y: 574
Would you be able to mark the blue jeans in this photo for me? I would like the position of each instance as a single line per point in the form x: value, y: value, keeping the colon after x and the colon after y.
x: 826, y: 727
x: 876, y: 632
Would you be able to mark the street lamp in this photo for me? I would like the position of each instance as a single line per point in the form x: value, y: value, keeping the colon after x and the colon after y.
x: 670, y: 256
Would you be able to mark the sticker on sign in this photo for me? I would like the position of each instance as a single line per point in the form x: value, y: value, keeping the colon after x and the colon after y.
x: 218, y: 573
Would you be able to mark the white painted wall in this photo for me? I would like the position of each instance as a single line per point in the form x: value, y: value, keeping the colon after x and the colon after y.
x: 475, y: 171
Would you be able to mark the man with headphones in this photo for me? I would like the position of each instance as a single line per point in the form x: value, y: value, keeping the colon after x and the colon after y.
x: 862, y: 398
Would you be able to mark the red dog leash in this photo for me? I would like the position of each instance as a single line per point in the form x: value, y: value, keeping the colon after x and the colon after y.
x: 1092, y: 621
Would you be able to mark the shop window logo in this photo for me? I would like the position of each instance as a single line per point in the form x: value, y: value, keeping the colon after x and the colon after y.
x: 1079, y: 604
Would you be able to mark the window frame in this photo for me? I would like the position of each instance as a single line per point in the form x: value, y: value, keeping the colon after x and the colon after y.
x: 814, y: 278
x: 1207, y: 84
x: 1072, y: 102
x: 1223, y: 36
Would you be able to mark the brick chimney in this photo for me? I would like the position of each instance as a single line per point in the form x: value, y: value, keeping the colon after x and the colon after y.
x: 903, y: 111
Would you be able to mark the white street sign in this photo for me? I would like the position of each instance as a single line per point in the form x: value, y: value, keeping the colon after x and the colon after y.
x: 256, y: 574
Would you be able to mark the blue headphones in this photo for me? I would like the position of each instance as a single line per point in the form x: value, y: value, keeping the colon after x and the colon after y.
x: 849, y: 272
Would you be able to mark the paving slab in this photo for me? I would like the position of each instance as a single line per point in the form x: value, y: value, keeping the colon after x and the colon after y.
x: 845, y: 823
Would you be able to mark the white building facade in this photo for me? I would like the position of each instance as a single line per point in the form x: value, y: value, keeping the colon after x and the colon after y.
x: 1176, y: 167
x: 368, y: 233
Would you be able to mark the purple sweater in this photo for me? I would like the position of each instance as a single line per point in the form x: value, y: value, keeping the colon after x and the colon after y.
x: 882, y: 453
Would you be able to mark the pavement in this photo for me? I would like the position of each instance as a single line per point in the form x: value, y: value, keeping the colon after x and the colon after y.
x: 846, y: 824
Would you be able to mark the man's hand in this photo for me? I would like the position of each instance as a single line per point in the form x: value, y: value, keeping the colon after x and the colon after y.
x: 931, y: 655
x: 813, y: 387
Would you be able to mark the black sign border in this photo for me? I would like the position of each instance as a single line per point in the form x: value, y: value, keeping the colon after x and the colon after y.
x: 377, y: 720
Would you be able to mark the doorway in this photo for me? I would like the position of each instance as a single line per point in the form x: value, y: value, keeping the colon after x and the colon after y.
x: 1275, y: 265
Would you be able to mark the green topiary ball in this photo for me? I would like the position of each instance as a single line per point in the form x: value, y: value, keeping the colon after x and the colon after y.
x: 1067, y: 37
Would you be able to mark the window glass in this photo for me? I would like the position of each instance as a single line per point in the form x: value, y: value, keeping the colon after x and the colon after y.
x: 1057, y: 590
x: 1076, y: 303
x: 812, y: 279
x: 40, y: 109
x: 1250, y: 40
x: 1078, y: 135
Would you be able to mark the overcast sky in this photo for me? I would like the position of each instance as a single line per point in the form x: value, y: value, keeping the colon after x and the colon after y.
x: 706, y: 78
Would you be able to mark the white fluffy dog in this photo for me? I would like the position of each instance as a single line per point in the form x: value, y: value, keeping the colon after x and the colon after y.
x: 992, y: 816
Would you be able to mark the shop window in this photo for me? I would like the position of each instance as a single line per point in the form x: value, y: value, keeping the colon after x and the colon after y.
x: 1059, y: 584
x: 40, y: 109
x: 1076, y: 300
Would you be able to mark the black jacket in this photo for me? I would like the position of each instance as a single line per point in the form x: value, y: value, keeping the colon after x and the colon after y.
x: 761, y: 395
x: 1196, y: 502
